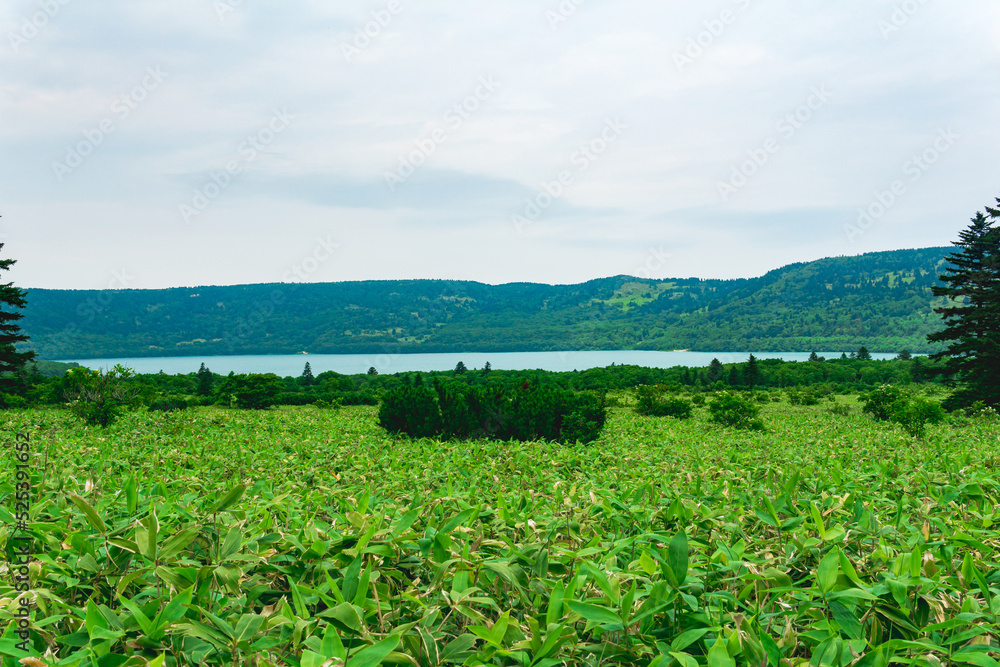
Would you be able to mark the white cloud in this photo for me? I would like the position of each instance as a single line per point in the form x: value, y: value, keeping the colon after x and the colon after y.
x: 657, y: 186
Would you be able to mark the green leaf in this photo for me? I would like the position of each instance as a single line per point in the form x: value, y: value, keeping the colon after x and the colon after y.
x: 684, y: 659
x: 178, y: 543
x: 718, y: 655
x: 677, y: 558
x: 232, y: 543
x: 685, y: 639
x: 829, y: 568
x: 601, y: 616
x: 847, y: 620
x: 979, y: 659
x: 172, y: 613
x: 144, y: 622
x: 248, y: 626
x: 373, y: 655
x: 90, y: 513
x: 131, y: 495
x: 229, y: 499
x: 332, y: 646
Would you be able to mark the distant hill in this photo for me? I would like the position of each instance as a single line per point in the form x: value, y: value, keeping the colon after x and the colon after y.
x: 881, y: 300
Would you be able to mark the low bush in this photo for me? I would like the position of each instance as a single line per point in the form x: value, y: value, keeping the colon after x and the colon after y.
x: 169, y: 404
x: 728, y: 409
x: 251, y: 391
x: 879, y: 401
x: 840, y: 409
x: 458, y: 410
x: 657, y: 402
x: 915, y: 413
x: 357, y: 398
x: 12, y: 401
x: 97, y: 397
x: 892, y: 404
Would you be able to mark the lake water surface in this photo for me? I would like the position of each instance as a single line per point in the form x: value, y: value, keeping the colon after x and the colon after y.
x: 350, y: 364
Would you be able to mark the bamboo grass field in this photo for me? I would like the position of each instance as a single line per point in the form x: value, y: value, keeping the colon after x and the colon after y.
x: 305, y: 536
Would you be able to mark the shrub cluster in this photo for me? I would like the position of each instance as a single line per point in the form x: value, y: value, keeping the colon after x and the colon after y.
x: 458, y: 410
x: 735, y: 411
x: 892, y: 404
x: 660, y: 402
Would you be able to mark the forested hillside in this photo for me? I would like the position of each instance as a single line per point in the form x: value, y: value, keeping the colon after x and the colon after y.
x: 880, y: 300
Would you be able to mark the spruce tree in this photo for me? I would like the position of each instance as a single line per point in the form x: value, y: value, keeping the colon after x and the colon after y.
x: 308, y: 379
x: 972, y: 315
x: 715, y: 371
x: 205, y: 380
x: 752, y: 373
x: 12, y: 299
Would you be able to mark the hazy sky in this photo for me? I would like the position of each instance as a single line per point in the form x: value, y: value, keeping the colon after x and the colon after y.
x: 191, y: 142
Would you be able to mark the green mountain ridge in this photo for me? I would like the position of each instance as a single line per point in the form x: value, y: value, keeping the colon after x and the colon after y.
x: 881, y: 300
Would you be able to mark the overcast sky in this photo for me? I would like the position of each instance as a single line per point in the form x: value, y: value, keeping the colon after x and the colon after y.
x: 191, y: 142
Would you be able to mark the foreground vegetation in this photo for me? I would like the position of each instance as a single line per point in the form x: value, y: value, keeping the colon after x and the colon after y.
x: 304, y: 536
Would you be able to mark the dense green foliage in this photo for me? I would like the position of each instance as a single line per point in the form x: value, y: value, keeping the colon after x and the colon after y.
x: 251, y: 391
x: 972, y: 316
x: 730, y: 409
x: 297, y: 536
x: 12, y: 301
x: 99, y: 397
x: 880, y: 300
x: 913, y: 413
x: 805, y: 382
x: 662, y: 401
x: 457, y: 410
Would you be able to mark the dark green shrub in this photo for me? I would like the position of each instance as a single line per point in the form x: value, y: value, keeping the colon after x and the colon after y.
x: 698, y: 399
x: 251, y: 391
x: 294, y: 398
x: 879, y: 401
x: 12, y: 401
x: 458, y: 410
x: 357, y: 398
x: 728, y: 409
x: 322, y: 404
x: 99, y: 398
x: 655, y: 402
x: 803, y: 396
x: 169, y: 404
x: 840, y: 409
x: 915, y: 413
x: 413, y: 411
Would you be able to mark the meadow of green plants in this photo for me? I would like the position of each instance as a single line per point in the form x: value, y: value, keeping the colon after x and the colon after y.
x: 305, y: 536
